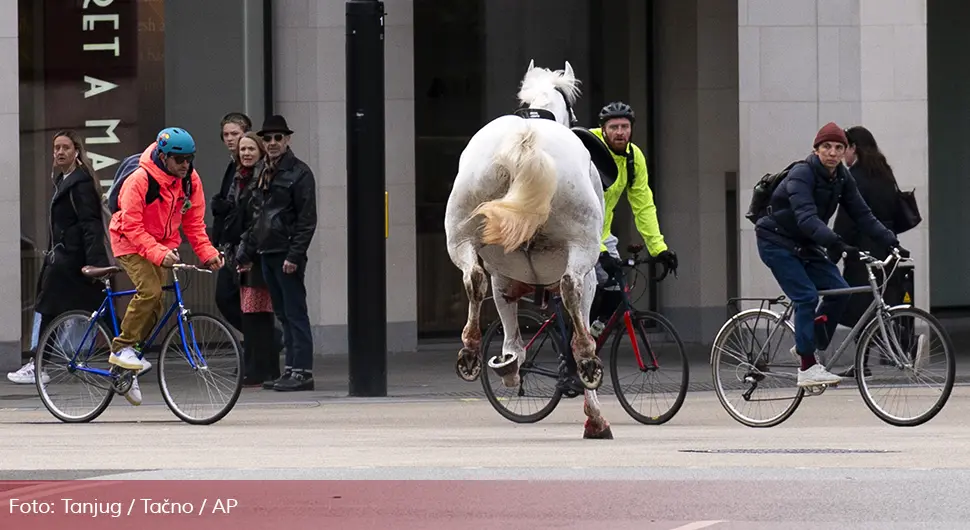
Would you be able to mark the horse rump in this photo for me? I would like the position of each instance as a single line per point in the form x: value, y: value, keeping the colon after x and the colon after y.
x: 512, y: 220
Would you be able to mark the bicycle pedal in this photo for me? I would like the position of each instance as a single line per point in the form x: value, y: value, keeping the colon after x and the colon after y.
x: 570, y: 386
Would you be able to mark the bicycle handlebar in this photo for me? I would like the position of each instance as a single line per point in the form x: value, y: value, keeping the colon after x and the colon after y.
x: 186, y: 266
x: 636, y: 260
x: 871, y: 261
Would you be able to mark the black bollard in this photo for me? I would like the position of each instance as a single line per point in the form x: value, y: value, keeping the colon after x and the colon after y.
x: 366, y: 243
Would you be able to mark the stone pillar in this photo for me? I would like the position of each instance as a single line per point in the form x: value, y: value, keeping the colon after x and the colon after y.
x: 696, y: 148
x: 803, y: 63
x: 310, y: 88
x: 10, y: 284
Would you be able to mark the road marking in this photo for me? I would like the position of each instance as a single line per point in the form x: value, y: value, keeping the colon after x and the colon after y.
x: 697, y: 525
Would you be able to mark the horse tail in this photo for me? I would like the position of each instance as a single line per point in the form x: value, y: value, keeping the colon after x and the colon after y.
x: 515, y: 218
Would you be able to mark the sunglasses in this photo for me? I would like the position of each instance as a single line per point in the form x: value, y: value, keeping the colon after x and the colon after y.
x: 270, y: 137
x: 181, y: 159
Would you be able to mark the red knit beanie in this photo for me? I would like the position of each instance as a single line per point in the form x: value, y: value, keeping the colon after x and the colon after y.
x: 830, y: 132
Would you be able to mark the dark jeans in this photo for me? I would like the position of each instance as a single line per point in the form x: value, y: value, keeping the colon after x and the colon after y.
x: 288, y: 292
x: 801, y: 279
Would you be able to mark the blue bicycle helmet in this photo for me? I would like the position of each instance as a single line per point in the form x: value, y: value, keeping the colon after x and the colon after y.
x: 174, y: 140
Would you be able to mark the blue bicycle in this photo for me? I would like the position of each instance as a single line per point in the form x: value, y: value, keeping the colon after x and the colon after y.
x: 73, y: 353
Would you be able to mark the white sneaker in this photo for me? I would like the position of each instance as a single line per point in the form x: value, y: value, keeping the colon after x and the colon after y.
x: 922, y: 355
x: 134, y: 393
x: 25, y: 376
x: 128, y: 359
x: 817, y: 375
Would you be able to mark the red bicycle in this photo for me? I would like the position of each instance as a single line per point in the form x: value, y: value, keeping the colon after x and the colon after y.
x: 649, y: 344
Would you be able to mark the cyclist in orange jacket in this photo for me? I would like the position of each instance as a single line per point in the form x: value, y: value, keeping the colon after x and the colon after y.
x: 153, y: 202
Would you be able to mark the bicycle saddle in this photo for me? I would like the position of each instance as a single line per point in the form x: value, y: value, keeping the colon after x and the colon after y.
x: 99, y: 272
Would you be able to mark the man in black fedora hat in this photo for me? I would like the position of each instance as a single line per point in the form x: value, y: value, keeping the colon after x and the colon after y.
x: 281, y: 234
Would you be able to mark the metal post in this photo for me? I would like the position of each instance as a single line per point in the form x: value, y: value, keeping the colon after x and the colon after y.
x: 366, y: 269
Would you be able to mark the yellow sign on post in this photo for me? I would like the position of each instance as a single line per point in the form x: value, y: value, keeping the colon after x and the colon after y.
x: 386, y: 220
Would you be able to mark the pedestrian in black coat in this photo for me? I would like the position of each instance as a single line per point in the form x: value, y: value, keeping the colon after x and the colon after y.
x: 76, y: 238
x: 877, y: 185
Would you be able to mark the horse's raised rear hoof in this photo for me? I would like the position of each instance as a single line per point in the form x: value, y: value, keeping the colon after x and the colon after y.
x: 590, y: 372
x: 468, y: 366
x: 506, y: 366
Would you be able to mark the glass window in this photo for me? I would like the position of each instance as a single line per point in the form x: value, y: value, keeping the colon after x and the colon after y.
x: 470, y: 57
x: 100, y: 67
x: 92, y: 66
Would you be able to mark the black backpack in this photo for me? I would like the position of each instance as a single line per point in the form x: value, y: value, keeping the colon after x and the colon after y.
x: 127, y: 167
x: 763, y: 190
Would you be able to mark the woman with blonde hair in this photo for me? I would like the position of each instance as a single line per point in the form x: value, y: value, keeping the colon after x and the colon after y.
x: 261, y: 345
x: 76, y: 238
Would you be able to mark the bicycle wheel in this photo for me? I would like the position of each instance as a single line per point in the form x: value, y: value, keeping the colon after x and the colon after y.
x: 656, y: 358
x: 70, y: 344
x: 215, y: 371
x: 758, y: 369
x: 538, y: 375
x: 911, y: 353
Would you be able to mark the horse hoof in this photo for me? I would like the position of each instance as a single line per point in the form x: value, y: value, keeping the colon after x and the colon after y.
x: 511, y: 381
x: 468, y: 366
x: 504, y: 364
x: 590, y: 372
x: 605, y: 434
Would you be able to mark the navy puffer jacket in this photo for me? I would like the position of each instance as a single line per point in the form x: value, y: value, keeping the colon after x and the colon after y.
x: 803, y: 203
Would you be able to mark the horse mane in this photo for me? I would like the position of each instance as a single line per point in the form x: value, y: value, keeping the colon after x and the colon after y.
x: 538, y: 80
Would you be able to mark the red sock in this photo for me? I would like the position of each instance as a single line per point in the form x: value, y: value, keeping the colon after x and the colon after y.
x: 808, y: 361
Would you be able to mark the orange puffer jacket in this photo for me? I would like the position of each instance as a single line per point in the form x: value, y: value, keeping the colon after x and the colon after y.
x: 151, y: 230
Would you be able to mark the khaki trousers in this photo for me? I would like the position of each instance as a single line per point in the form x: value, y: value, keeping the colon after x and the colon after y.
x: 146, y: 306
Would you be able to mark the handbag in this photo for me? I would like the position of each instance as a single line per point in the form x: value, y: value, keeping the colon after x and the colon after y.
x: 907, y: 214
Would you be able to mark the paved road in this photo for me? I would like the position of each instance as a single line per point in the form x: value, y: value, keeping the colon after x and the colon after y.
x: 832, y: 465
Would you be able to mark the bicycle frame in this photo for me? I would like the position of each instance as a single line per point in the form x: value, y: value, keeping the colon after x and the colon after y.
x: 625, y: 308
x: 877, y: 308
x: 108, y: 305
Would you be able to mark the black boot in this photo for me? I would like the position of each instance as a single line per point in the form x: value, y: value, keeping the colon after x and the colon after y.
x: 251, y: 375
x: 267, y: 354
x: 271, y: 384
x: 298, y: 380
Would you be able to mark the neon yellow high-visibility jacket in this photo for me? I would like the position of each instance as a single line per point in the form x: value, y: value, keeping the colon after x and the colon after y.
x: 640, y: 197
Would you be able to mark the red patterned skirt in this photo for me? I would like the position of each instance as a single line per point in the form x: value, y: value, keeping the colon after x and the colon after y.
x: 255, y: 299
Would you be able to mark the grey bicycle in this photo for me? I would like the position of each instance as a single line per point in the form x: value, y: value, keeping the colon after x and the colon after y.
x: 755, y: 367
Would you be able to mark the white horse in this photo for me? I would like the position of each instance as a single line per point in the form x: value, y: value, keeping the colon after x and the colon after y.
x: 539, y: 200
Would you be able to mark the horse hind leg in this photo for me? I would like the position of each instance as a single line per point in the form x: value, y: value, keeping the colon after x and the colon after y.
x: 577, y: 294
x: 468, y: 366
x: 506, y: 293
x: 578, y: 299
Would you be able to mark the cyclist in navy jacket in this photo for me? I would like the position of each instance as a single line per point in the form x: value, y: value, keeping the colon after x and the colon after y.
x: 794, y: 241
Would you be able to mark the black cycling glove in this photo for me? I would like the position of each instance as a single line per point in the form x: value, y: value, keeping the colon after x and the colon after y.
x: 668, y: 258
x: 610, y: 264
x: 843, y: 249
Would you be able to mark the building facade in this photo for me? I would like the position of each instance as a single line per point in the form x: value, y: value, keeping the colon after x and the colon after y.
x: 725, y: 91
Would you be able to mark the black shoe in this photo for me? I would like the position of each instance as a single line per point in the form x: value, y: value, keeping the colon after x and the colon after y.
x: 270, y: 385
x: 296, y: 381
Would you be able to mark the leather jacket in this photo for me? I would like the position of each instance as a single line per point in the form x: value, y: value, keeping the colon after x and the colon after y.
x: 286, y: 217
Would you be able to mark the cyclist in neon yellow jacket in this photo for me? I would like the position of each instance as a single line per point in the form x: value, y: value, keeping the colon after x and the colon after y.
x: 616, y: 127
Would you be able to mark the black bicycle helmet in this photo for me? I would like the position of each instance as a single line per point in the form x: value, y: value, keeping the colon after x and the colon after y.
x: 617, y: 109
